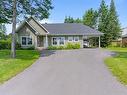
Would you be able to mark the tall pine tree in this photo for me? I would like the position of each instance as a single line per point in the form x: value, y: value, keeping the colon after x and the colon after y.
x: 114, y: 25
x: 69, y: 20
x: 90, y: 18
x: 103, y: 24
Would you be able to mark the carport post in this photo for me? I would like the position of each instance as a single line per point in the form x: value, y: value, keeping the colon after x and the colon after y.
x: 99, y: 42
x: 46, y: 39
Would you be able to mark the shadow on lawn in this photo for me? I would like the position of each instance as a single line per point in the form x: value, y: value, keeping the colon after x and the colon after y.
x: 46, y: 53
x: 20, y: 54
x: 121, y: 55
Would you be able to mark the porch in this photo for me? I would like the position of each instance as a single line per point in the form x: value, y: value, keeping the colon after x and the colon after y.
x: 85, y: 41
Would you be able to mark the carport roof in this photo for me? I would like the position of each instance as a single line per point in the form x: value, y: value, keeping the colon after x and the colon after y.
x: 70, y: 29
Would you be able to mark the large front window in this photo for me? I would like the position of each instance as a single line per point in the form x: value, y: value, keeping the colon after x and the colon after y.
x: 26, y: 40
x: 70, y: 39
x: 58, y: 41
x: 54, y: 41
x: 76, y: 39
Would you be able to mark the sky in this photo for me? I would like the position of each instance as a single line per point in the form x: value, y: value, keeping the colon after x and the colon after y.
x: 76, y: 9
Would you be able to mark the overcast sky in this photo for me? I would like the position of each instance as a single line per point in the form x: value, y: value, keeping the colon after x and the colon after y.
x: 76, y: 9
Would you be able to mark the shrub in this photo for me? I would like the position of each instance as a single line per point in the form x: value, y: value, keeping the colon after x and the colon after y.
x: 68, y: 46
x: 60, y: 47
x: 76, y: 46
x: 73, y: 46
x: 6, y: 44
x: 18, y: 46
x: 52, y: 48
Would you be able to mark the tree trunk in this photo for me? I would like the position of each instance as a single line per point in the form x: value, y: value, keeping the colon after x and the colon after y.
x: 13, y: 51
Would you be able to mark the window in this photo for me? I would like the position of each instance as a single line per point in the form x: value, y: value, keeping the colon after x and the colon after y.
x: 29, y: 41
x: 58, y: 41
x: 76, y: 39
x: 54, y: 41
x: 23, y: 40
x: 61, y: 40
x: 26, y: 40
x: 70, y: 39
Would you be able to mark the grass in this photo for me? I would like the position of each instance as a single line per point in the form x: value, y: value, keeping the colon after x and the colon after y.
x: 10, y: 67
x: 118, y: 64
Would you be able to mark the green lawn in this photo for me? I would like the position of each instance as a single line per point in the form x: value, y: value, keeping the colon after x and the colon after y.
x: 118, y: 64
x: 11, y: 67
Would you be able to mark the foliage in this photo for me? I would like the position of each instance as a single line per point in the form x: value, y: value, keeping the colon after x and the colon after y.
x: 114, y: 25
x: 69, y: 20
x: 118, y: 64
x: 108, y: 23
x: 67, y: 46
x: 73, y: 45
x: 90, y: 18
x: 105, y: 19
x: 25, y: 8
x: 52, y: 48
x: 10, y: 67
x: 6, y: 44
x: 103, y: 23
x: 72, y: 20
x: 116, y: 44
x: 3, y: 35
x: 78, y: 20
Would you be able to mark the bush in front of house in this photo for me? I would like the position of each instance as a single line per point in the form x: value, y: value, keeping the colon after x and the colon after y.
x: 6, y: 44
x: 68, y: 46
x: 52, y: 48
x: 73, y: 46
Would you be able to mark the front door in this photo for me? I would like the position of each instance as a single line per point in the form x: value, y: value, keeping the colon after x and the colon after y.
x: 40, y: 41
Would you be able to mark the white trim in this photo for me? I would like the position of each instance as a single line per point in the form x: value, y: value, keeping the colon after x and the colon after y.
x: 70, y: 37
x: 26, y: 41
x: 64, y: 41
x: 41, y: 25
x: 58, y: 41
x: 76, y: 37
x: 32, y: 27
x: 52, y: 41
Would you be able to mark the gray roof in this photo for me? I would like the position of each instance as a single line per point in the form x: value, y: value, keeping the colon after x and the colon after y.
x: 124, y: 36
x: 70, y: 29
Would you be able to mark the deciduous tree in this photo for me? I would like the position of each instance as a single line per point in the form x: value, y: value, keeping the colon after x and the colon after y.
x: 14, y: 9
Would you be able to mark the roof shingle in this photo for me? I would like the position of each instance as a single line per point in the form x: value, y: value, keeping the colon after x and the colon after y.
x: 70, y: 29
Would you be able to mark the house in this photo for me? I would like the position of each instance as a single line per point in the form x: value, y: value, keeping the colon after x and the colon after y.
x: 32, y: 33
x: 124, y: 36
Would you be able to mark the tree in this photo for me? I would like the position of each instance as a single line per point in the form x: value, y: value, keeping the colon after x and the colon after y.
x: 72, y: 20
x: 90, y: 18
x: 78, y: 20
x: 69, y: 20
x: 2, y: 32
x: 22, y: 9
x: 103, y: 23
x: 114, y: 25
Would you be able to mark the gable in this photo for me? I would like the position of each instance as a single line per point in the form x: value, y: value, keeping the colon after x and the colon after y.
x: 37, y: 26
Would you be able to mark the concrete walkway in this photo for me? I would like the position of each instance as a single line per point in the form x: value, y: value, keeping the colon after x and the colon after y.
x: 70, y: 72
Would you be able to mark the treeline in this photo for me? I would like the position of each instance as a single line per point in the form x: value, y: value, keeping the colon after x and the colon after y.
x: 105, y: 20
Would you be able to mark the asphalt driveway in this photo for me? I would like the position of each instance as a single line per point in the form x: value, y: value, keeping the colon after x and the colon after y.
x: 69, y: 72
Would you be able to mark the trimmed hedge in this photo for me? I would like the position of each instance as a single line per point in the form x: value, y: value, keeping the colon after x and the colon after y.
x: 68, y: 46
